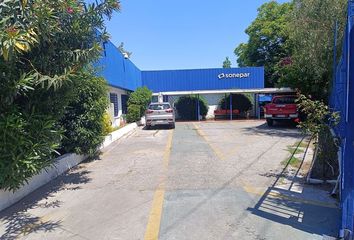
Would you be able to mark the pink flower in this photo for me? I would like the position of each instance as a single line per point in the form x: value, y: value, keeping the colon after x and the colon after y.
x: 70, y: 10
x: 286, y: 61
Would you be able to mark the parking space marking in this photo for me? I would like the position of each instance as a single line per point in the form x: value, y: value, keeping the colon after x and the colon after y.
x: 216, y: 151
x: 153, y: 226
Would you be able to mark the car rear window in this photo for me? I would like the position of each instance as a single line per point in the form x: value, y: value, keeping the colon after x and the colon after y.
x: 284, y: 100
x: 159, y: 106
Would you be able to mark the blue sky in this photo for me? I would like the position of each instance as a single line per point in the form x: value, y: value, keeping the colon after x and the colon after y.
x: 182, y: 34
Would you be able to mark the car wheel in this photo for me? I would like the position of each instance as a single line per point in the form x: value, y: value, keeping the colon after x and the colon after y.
x: 172, y: 126
x: 270, y: 122
x: 147, y: 127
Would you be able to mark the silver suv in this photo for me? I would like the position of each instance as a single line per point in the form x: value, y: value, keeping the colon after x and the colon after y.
x: 160, y: 114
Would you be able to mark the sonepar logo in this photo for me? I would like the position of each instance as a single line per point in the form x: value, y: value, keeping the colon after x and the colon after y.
x: 233, y: 75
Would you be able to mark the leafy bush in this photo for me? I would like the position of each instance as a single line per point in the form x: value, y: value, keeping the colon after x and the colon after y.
x: 137, y: 103
x: 187, y: 107
x: 107, y: 124
x: 134, y: 113
x: 44, y: 47
x: 28, y: 143
x: 84, y: 117
x: 240, y: 102
x: 319, y: 119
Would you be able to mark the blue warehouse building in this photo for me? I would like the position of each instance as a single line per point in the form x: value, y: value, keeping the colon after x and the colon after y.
x: 123, y: 77
x: 204, y: 79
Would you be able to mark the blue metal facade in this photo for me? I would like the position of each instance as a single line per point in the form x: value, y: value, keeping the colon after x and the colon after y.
x: 122, y: 73
x: 204, y: 79
x: 118, y: 71
x: 342, y: 100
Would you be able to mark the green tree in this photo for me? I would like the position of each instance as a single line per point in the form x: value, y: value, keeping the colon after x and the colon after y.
x: 268, y: 40
x: 311, y: 28
x: 137, y: 103
x: 227, y: 63
x: 240, y: 102
x: 187, y: 107
x: 44, y: 48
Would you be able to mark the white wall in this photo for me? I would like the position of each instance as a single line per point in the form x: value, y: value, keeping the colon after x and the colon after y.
x: 116, y: 120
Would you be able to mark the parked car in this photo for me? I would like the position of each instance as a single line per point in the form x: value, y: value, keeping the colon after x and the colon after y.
x: 160, y: 114
x: 282, y: 108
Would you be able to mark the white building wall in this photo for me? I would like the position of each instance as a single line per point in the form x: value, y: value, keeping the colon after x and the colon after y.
x: 116, y: 121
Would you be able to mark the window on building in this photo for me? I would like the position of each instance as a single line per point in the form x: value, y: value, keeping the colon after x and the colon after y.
x: 125, y: 104
x: 114, y: 99
x: 154, y: 99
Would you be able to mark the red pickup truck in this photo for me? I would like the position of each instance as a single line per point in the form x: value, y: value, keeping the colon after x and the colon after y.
x: 281, y: 108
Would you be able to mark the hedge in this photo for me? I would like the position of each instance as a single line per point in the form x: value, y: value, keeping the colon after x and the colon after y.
x: 137, y: 103
x: 187, y: 107
x: 240, y: 102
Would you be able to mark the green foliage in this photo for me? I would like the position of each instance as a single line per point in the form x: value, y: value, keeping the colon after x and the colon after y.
x: 83, y: 120
x: 240, y: 102
x: 28, y: 142
x: 227, y: 63
x: 187, y: 107
x: 134, y: 113
x: 319, y: 120
x: 107, y: 124
x: 137, y: 103
x: 311, y: 29
x: 44, y: 47
x: 318, y: 115
x: 268, y: 40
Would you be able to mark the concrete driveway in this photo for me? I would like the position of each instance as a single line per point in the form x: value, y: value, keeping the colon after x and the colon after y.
x: 208, y: 180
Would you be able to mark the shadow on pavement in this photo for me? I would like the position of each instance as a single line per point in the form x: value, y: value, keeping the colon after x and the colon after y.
x: 279, y: 129
x: 17, y: 221
x: 305, y: 210
x: 157, y: 127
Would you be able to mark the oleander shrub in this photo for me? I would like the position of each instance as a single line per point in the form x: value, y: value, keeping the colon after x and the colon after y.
x: 28, y: 143
x: 187, y: 107
x: 45, y: 46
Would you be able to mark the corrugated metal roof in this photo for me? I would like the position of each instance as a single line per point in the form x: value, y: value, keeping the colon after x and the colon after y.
x: 204, y: 79
x: 118, y: 71
x: 121, y: 72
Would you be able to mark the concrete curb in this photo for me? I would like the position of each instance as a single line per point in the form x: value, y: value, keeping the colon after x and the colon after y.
x: 114, y: 136
x: 62, y: 164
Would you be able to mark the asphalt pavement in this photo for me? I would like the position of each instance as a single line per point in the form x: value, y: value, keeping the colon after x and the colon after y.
x: 202, y: 180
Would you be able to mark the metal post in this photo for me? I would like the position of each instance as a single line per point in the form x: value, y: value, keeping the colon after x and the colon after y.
x: 256, y: 105
x: 225, y: 105
x: 231, y: 106
x: 198, y: 108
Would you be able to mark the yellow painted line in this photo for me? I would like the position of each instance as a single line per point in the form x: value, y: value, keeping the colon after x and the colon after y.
x: 153, y: 226
x: 167, y: 153
x: 278, y: 195
x: 217, y: 152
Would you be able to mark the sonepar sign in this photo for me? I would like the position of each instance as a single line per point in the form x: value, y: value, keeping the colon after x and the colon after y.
x: 233, y: 75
